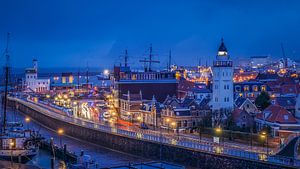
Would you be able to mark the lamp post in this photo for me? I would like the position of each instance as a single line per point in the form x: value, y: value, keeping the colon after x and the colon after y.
x: 264, y: 136
x: 219, y: 132
x: 60, y: 132
x: 168, y: 121
x: 27, y: 120
x: 173, y: 124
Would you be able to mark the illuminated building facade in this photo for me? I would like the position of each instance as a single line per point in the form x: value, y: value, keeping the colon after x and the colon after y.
x: 32, y: 82
x: 222, y: 89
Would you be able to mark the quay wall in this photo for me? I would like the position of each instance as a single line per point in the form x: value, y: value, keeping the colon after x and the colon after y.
x: 147, y: 149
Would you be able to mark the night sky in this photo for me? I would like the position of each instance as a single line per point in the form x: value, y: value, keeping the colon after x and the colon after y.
x: 73, y: 33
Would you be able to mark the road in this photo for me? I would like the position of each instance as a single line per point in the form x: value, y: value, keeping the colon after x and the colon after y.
x: 185, y: 141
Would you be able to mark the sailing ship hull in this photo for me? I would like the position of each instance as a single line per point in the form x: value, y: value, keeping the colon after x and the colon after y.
x: 8, y: 155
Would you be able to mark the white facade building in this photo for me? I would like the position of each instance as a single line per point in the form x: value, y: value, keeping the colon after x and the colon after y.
x: 32, y: 83
x: 222, y: 89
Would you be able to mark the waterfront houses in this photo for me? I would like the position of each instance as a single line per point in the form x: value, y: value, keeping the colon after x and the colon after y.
x: 278, y: 119
x: 183, y: 114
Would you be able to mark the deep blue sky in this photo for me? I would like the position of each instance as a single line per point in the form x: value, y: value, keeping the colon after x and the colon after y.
x: 71, y: 33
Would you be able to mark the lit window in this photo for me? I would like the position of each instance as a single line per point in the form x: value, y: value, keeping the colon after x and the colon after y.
x: 263, y: 88
x: 237, y: 88
x: 255, y: 88
x: 246, y: 88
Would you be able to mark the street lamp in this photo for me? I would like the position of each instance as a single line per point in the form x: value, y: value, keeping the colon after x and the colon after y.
x: 264, y: 137
x: 60, y: 132
x: 173, y: 124
x: 168, y: 120
x: 27, y: 120
x: 219, y: 132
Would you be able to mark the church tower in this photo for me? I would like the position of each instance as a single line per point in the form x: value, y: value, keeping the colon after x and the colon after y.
x: 222, y: 81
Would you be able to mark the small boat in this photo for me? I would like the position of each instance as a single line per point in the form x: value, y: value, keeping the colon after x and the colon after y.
x: 18, y: 145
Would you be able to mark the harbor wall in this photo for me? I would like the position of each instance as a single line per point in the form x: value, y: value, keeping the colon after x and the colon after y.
x: 143, y: 148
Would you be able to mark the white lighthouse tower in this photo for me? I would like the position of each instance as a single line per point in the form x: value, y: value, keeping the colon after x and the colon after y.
x: 222, y: 82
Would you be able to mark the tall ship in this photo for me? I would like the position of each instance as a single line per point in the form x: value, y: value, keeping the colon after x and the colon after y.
x: 16, y: 143
x: 147, y: 83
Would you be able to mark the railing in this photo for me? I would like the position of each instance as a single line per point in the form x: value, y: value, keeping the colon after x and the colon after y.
x: 163, y: 138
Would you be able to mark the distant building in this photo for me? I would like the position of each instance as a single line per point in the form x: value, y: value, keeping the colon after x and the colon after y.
x: 32, y: 82
x: 67, y: 77
x: 222, y: 89
x: 200, y: 93
x: 250, y: 90
x: 259, y: 61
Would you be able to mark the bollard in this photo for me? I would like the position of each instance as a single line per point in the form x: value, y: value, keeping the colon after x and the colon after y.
x: 52, y: 163
x: 19, y: 158
x: 65, y: 149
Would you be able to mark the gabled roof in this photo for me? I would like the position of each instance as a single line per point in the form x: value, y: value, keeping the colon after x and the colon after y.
x: 277, y: 114
x: 267, y: 76
x: 200, y: 90
x: 240, y: 101
x: 185, y: 85
x: 287, y: 102
x: 237, y: 112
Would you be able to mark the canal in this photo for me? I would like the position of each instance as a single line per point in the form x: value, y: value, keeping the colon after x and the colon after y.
x: 104, y: 157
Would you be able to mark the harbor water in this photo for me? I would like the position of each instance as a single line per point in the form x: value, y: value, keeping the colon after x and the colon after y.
x: 104, y: 157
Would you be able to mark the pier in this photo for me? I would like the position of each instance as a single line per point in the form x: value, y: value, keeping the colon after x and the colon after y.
x: 147, y: 145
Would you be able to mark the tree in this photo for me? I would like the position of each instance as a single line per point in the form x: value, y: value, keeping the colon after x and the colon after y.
x: 262, y: 101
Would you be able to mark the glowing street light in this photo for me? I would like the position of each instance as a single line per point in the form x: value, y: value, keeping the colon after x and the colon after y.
x: 173, y: 124
x: 264, y: 137
x: 27, y: 119
x: 60, y: 132
x: 219, y: 129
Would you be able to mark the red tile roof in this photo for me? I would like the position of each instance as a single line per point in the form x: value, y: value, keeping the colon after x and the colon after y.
x: 277, y: 114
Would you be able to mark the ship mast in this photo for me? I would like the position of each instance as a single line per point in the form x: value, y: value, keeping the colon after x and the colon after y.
x: 6, y: 70
x: 150, y: 61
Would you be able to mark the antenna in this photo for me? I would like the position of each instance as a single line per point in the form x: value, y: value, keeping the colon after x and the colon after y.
x: 169, y: 62
x: 126, y: 58
x: 199, y: 63
x: 78, y: 78
x: 284, y: 57
x: 87, y: 72
x: 150, y: 61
